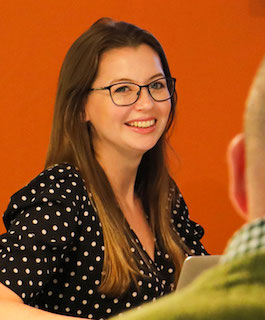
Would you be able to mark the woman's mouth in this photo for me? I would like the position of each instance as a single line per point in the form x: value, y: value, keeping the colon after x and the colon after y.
x: 141, y: 124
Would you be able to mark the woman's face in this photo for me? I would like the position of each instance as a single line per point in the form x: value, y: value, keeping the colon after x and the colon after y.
x: 133, y: 129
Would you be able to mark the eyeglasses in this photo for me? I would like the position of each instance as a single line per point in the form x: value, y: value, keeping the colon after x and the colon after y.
x: 126, y: 93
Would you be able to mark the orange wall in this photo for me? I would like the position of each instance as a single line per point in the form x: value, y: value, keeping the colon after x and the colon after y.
x: 213, y: 48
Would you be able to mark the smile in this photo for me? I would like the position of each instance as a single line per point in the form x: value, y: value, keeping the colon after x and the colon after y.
x: 142, y: 124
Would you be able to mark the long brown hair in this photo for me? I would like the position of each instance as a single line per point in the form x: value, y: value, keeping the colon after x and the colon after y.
x: 71, y: 142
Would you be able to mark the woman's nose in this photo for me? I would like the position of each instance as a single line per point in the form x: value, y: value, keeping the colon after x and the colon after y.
x: 144, y: 101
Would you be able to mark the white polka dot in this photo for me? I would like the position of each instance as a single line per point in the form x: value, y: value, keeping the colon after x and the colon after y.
x: 19, y: 283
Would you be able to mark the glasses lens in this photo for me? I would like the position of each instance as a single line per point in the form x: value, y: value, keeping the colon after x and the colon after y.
x: 162, y: 89
x: 124, y: 94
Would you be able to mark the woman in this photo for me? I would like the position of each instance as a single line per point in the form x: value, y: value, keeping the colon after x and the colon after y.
x: 103, y: 228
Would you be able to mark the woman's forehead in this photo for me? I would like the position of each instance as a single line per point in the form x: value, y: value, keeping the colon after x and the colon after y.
x: 133, y: 63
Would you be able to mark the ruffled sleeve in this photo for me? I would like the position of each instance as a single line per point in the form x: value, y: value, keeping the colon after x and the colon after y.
x: 189, y: 231
x: 42, y: 221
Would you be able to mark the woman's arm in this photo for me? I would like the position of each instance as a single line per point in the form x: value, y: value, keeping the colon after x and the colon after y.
x: 13, y: 308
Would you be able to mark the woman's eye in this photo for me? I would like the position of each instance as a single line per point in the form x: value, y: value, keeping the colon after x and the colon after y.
x: 121, y: 89
x: 157, y: 85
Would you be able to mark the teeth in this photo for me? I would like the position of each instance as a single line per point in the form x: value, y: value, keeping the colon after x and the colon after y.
x: 142, y: 124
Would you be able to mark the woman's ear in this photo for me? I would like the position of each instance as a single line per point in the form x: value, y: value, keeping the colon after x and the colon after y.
x: 84, y: 114
x: 236, y: 165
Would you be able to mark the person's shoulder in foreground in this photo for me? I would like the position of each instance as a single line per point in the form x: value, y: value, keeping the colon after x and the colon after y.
x: 232, y: 290
x: 235, y: 288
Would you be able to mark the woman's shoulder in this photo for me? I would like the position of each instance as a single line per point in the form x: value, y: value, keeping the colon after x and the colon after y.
x: 61, y: 183
x: 187, y: 228
x: 56, y: 176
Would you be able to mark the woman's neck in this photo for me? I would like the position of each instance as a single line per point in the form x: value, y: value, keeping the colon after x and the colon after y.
x: 121, y: 170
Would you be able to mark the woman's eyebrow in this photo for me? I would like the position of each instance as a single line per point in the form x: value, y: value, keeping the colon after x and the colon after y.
x: 130, y: 80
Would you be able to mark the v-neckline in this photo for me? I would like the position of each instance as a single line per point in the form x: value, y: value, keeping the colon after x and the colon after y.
x: 150, y: 259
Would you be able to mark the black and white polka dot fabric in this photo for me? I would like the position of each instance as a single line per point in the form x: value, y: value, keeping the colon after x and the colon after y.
x: 52, y: 254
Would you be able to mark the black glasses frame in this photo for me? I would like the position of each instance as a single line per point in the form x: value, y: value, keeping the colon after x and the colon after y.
x: 139, y: 92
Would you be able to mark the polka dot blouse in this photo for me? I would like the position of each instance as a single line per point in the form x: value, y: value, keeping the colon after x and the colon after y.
x: 52, y: 254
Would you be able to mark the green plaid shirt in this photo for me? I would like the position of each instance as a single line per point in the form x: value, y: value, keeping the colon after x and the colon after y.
x: 250, y: 238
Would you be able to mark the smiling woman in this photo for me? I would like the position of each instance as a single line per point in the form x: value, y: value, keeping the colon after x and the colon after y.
x: 119, y: 125
x: 104, y: 227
